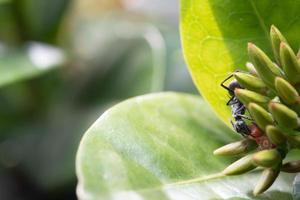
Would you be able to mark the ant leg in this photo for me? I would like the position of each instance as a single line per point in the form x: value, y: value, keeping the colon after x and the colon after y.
x: 233, y: 101
x: 230, y: 76
x: 224, y: 86
x: 245, y: 117
x: 229, y: 102
x: 242, y: 115
x: 241, y: 108
x: 232, y: 124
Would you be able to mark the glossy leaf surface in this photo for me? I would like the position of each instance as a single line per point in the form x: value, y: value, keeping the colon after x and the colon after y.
x: 159, y: 146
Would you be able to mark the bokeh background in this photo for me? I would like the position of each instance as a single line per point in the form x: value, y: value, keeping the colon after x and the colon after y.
x: 62, y: 64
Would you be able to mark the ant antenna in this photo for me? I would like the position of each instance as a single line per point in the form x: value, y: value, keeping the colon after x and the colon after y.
x: 224, y: 86
x: 226, y: 79
x: 230, y: 101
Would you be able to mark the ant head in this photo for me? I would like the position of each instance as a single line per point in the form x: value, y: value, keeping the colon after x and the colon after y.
x: 232, y: 86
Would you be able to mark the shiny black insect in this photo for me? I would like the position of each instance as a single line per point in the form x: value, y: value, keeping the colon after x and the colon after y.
x: 237, y: 108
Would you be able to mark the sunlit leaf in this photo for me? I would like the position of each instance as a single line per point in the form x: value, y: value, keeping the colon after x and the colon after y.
x: 215, y: 35
x: 159, y: 146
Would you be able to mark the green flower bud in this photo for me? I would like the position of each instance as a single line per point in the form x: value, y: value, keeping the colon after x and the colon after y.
x: 276, y: 39
x: 289, y: 63
x: 262, y: 64
x: 275, y: 135
x: 260, y: 116
x: 251, y: 69
x: 276, y: 70
x: 291, y: 167
x: 266, y: 180
x: 247, y: 96
x: 270, y: 91
x: 286, y: 91
x: 284, y: 116
x: 236, y: 148
x: 267, y: 158
x: 240, y: 166
x: 250, y: 82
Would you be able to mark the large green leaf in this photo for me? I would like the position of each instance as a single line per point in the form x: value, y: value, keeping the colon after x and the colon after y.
x: 215, y: 35
x: 160, y: 146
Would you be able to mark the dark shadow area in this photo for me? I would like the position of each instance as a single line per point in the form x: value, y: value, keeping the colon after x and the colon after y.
x: 14, y: 184
x: 242, y: 21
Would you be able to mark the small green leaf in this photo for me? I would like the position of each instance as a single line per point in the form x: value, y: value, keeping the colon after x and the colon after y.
x: 160, y: 146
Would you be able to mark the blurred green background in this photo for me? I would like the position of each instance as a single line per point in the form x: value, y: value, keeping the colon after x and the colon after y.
x: 64, y: 62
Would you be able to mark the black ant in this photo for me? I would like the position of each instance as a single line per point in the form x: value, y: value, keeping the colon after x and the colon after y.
x: 238, y: 109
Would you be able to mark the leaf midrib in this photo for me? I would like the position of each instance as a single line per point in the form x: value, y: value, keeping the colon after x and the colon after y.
x: 211, y: 177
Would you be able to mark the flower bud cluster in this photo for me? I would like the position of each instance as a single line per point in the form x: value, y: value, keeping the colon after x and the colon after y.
x: 270, y: 92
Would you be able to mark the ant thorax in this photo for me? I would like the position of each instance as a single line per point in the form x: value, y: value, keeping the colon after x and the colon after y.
x: 237, y: 108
